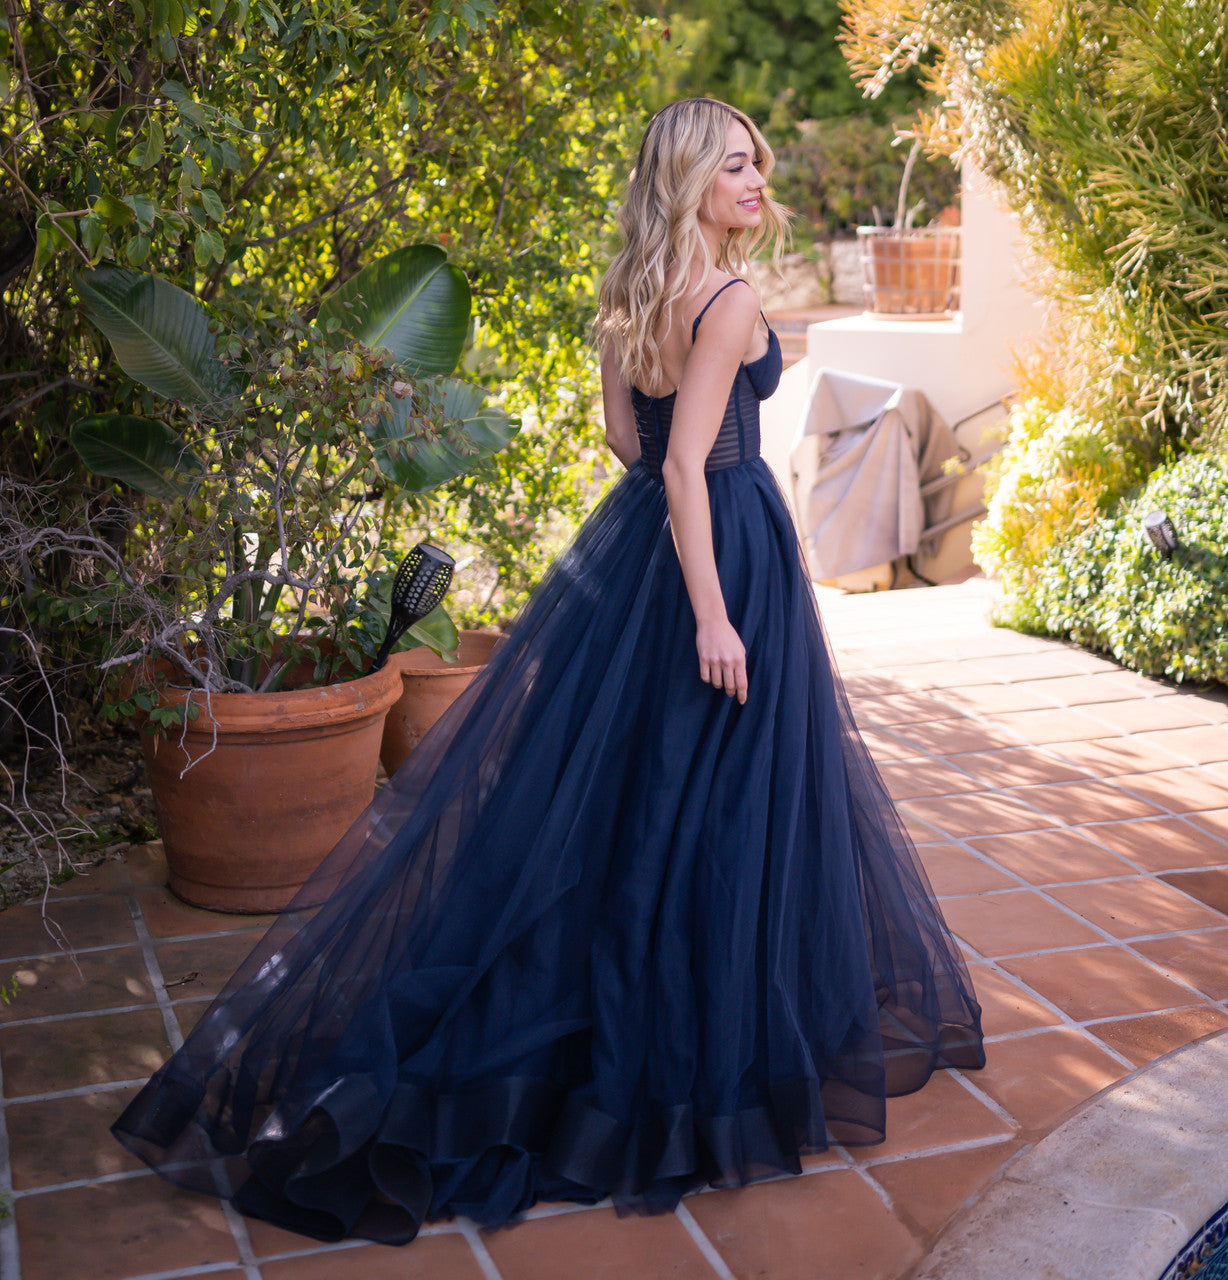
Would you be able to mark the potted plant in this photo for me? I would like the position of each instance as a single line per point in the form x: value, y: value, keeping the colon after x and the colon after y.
x: 909, y: 272
x: 263, y: 488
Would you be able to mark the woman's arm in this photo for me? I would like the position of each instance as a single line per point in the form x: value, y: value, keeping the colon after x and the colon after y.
x: 620, y: 430
x: 720, y: 343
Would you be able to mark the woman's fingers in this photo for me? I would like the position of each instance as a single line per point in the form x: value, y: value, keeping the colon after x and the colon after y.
x: 734, y: 679
x: 728, y: 675
x: 722, y: 660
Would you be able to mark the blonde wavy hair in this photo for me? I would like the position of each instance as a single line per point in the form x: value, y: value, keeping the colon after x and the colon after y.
x: 680, y: 156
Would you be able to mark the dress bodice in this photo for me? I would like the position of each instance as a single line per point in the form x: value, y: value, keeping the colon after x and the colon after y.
x: 737, y: 441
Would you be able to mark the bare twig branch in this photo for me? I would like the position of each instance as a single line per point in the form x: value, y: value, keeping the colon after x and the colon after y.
x: 10, y: 409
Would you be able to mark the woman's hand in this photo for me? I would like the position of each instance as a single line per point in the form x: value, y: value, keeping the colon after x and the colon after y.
x: 722, y: 657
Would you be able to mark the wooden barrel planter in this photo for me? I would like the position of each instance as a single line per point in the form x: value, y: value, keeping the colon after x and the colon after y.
x: 429, y: 686
x: 252, y: 793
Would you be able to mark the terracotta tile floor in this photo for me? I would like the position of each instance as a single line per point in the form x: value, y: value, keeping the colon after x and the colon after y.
x: 1073, y: 817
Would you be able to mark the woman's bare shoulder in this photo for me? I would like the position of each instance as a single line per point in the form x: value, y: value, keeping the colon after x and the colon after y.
x: 731, y: 297
x: 720, y: 281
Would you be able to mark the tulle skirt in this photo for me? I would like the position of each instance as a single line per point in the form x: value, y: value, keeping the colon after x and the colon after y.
x: 607, y: 933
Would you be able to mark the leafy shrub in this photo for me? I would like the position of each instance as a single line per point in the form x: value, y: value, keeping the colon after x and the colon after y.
x: 1110, y: 589
x: 1103, y: 125
x: 835, y: 173
x: 1058, y: 472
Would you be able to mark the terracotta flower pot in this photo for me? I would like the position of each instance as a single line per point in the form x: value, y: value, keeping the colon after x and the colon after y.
x: 429, y: 687
x: 913, y: 274
x: 275, y: 781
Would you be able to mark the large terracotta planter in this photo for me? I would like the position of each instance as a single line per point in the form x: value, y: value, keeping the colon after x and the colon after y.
x: 275, y: 781
x: 911, y: 274
x: 429, y: 686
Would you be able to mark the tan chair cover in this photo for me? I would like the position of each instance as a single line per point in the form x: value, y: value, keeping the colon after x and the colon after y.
x: 863, y: 450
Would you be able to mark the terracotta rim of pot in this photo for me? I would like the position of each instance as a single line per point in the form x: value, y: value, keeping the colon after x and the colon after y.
x: 432, y: 665
x: 314, y: 708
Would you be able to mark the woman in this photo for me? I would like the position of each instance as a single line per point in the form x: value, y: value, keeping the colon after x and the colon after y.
x: 637, y: 915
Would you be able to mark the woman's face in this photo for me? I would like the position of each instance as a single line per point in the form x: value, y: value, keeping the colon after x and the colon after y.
x: 735, y: 195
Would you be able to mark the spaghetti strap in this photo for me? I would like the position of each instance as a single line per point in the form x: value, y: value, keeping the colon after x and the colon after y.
x: 711, y: 300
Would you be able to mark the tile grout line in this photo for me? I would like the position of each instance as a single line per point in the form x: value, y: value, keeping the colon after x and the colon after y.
x: 186, y: 1273
x: 1030, y: 1033
x: 1121, y: 944
x: 986, y: 1100
x: 1071, y: 913
x: 881, y: 1192
x: 10, y: 1252
x: 1155, y: 688
x: 145, y: 940
x: 1092, y: 1023
x: 555, y: 1209
x: 243, y: 1241
x: 1065, y: 1019
x: 1124, y: 944
x: 79, y: 1091
x: 170, y: 1021
x: 986, y: 720
x: 1098, y: 880
x: 984, y: 723
x: 324, y: 1249
x: 76, y: 1184
x: 133, y: 944
x: 480, y: 1252
x: 942, y: 1149
x: 1086, y: 1026
x: 702, y: 1243
x: 51, y: 1019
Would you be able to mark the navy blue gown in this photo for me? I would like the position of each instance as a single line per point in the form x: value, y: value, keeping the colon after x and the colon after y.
x: 607, y: 933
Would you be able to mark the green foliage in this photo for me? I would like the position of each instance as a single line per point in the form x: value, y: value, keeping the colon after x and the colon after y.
x: 367, y: 611
x: 1104, y: 125
x: 251, y: 155
x: 159, y: 333
x: 1111, y: 589
x: 413, y: 302
x: 837, y: 175
x: 778, y: 60
x: 517, y: 511
x: 1057, y: 472
x: 263, y: 517
x: 145, y: 455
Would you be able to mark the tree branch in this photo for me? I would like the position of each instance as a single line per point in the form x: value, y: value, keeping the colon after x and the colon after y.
x: 10, y: 409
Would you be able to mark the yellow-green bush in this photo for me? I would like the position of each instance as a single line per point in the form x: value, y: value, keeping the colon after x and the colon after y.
x: 1057, y: 473
x: 1109, y: 588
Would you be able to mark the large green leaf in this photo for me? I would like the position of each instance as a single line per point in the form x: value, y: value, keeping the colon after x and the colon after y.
x: 437, y: 631
x: 144, y: 454
x: 413, y: 302
x: 159, y: 333
x: 430, y: 463
x: 459, y: 400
